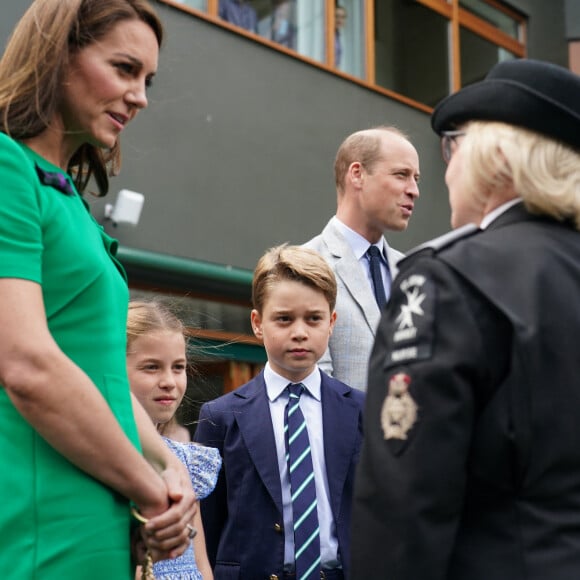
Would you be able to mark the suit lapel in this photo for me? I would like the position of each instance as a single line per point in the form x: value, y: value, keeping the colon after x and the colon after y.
x: 352, y: 276
x: 255, y: 423
x: 393, y: 257
x: 340, y: 416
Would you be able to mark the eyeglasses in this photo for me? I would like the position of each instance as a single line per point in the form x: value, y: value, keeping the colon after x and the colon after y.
x: 449, y: 143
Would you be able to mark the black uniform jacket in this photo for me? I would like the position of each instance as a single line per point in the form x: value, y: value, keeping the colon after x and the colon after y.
x: 470, y: 467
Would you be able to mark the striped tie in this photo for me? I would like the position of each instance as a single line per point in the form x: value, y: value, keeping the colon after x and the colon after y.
x: 305, y: 514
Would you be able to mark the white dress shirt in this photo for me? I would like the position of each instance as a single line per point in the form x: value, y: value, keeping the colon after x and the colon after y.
x: 310, y: 404
x: 494, y: 214
x: 359, y: 246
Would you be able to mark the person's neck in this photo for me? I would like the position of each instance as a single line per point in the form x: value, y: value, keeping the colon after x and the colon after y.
x: 498, y: 198
x: 372, y: 236
x: 52, y: 146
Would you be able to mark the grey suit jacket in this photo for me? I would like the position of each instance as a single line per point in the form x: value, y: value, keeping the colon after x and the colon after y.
x: 358, y: 315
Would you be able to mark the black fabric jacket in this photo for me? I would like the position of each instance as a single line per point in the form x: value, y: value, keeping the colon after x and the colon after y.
x: 486, y: 483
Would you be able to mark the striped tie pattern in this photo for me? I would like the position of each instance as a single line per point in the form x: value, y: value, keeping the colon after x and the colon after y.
x: 304, y: 505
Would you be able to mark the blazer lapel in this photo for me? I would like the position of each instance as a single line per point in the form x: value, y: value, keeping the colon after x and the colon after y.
x: 255, y: 422
x: 340, y: 417
x: 351, y: 274
x: 393, y: 257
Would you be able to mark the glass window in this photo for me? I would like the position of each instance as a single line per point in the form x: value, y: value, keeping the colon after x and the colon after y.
x: 278, y: 22
x: 310, y: 25
x: 493, y: 16
x: 295, y: 24
x: 411, y: 50
x: 198, y: 4
x: 349, y: 35
x: 241, y: 13
x: 478, y: 56
x: 412, y: 54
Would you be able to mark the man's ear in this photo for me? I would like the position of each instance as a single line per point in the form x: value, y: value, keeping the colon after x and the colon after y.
x: 332, y: 321
x: 256, y: 320
x: 355, y: 173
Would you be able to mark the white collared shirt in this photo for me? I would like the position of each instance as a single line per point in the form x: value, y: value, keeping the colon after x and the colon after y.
x: 310, y: 404
x: 494, y: 214
x: 359, y: 246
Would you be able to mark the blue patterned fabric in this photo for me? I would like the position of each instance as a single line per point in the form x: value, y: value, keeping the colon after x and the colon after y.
x: 203, y: 465
x: 304, y: 502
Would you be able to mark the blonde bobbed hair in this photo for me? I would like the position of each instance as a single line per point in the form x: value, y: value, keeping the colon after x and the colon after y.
x: 545, y: 173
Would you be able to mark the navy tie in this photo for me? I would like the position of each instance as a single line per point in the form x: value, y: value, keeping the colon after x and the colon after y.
x: 304, y: 504
x: 374, y: 255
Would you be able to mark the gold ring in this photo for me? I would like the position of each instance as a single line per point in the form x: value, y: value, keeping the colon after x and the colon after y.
x: 192, y: 531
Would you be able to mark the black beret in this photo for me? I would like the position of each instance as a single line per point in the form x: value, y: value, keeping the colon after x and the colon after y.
x: 533, y: 94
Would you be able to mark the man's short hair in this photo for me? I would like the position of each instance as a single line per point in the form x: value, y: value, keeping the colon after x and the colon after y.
x: 363, y: 146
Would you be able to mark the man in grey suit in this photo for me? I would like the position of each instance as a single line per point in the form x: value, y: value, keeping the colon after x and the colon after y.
x: 376, y: 173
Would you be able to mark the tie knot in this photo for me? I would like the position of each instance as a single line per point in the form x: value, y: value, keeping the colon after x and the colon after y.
x: 295, y: 389
x: 374, y: 252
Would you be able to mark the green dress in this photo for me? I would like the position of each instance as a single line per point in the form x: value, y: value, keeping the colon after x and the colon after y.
x: 57, y: 522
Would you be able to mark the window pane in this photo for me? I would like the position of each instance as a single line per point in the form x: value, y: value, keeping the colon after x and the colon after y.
x: 278, y: 22
x: 349, y: 37
x: 295, y: 24
x: 493, y: 16
x: 199, y: 4
x: 478, y: 56
x: 310, y: 24
x: 411, y: 50
x: 242, y: 13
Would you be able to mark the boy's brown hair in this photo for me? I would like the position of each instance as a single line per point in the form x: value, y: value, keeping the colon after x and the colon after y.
x: 295, y: 263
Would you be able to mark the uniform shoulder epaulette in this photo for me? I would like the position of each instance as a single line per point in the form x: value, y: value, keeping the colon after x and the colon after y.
x: 437, y: 244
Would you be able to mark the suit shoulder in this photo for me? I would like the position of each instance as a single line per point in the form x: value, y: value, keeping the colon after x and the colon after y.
x: 215, y: 406
x: 316, y: 243
x: 343, y: 389
x: 358, y: 396
x: 397, y: 254
x: 228, y: 400
x: 441, y: 243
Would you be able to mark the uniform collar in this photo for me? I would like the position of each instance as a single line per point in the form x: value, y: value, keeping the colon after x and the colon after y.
x: 494, y: 214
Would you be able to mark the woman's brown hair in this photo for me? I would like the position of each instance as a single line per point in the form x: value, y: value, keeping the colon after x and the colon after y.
x: 34, y: 63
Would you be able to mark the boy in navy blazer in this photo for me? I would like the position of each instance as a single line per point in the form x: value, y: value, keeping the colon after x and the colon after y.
x: 248, y: 520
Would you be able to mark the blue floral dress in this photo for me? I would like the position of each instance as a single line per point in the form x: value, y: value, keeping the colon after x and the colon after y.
x: 203, y: 464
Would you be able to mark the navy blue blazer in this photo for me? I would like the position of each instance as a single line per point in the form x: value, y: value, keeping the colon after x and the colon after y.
x: 242, y: 518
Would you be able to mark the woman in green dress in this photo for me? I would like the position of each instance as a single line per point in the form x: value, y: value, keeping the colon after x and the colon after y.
x: 76, y: 449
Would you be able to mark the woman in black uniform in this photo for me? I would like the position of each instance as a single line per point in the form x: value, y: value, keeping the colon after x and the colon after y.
x: 471, y: 462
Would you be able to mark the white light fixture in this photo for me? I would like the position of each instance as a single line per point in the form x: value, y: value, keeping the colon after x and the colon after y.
x: 127, y: 208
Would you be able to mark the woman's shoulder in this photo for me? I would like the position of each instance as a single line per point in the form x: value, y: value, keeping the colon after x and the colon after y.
x: 12, y: 155
x: 8, y: 142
